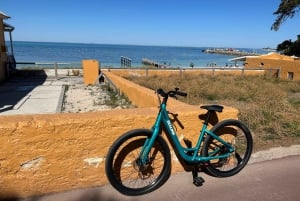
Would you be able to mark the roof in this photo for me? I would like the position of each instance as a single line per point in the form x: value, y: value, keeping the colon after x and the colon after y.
x: 8, y: 27
x: 276, y: 56
x: 3, y: 15
x: 272, y: 55
x: 243, y: 58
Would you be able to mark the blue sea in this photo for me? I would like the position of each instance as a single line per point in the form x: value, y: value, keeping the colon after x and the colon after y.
x: 72, y: 54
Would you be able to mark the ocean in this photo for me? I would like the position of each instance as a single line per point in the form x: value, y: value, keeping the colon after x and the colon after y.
x: 71, y: 54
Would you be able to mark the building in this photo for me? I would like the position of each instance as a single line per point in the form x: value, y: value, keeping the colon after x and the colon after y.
x: 6, y: 60
x: 281, y: 66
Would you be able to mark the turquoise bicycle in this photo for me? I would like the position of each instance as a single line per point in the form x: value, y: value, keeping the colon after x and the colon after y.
x: 139, y: 161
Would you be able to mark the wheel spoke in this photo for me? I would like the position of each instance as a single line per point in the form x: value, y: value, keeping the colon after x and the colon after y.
x: 131, y: 177
x: 239, y: 137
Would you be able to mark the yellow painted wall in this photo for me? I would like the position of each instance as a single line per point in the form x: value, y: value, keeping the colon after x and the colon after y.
x: 90, y: 71
x: 167, y: 72
x: 285, y: 66
x: 56, y: 152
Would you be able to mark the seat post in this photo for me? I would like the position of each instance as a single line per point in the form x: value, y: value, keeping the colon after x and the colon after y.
x: 208, y: 117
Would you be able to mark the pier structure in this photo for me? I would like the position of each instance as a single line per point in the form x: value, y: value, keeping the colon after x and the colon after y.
x: 149, y: 62
x: 125, y: 62
x: 230, y: 51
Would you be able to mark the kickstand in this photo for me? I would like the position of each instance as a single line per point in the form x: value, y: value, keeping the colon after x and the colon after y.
x: 197, y: 180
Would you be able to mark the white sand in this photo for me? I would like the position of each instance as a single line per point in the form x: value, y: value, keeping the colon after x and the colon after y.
x: 80, y: 98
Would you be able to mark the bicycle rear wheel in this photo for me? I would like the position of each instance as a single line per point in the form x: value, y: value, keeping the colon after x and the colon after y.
x: 124, y: 170
x: 237, y: 135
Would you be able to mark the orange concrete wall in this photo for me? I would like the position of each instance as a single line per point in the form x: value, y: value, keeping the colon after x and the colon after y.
x: 56, y: 152
x: 138, y: 95
x: 90, y: 71
x: 167, y: 72
x: 285, y: 66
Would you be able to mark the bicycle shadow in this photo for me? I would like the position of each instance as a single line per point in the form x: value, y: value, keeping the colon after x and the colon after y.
x: 213, y: 119
x: 87, y: 194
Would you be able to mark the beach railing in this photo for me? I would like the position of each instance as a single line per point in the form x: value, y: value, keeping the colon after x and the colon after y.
x: 48, y: 65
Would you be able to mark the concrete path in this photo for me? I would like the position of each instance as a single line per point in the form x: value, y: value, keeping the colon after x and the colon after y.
x: 34, y: 96
x: 273, y: 180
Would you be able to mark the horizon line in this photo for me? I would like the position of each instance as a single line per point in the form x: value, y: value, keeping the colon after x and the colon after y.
x: 146, y: 45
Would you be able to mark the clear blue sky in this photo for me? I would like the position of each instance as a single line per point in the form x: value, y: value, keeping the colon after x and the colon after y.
x: 213, y: 23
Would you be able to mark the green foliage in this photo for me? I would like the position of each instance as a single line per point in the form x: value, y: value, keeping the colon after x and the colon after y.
x: 116, y: 99
x: 286, y: 9
x: 289, y: 48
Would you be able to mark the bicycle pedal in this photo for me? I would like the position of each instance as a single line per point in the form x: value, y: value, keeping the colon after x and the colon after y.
x: 198, y: 181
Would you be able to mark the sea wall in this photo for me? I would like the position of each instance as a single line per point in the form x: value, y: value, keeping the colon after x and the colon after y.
x: 56, y: 152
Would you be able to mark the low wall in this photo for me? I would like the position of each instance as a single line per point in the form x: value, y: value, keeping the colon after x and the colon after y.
x: 193, y: 71
x: 56, y: 152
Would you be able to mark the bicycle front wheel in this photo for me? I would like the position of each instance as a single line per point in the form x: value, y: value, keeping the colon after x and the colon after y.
x: 239, y: 137
x: 124, y: 169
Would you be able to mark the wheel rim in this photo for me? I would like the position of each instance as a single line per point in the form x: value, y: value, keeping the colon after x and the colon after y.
x: 128, y: 170
x: 237, y: 138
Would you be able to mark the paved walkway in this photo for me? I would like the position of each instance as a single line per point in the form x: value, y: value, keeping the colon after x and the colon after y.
x: 273, y: 180
x: 34, y: 95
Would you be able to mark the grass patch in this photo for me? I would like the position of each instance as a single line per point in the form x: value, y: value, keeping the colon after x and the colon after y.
x: 115, y: 99
x: 269, y: 106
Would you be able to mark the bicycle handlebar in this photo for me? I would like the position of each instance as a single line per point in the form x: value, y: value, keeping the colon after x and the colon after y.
x: 171, y: 93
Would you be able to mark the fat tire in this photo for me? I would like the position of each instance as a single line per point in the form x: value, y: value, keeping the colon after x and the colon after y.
x: 112, y: 157
x: 211, y: 169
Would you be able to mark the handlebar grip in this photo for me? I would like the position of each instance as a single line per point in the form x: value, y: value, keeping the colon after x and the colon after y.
x: 161, y: 92
x: 181, y: 93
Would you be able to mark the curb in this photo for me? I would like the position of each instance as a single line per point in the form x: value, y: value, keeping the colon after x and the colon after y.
x: 275, y: 153
x: 61, y: 99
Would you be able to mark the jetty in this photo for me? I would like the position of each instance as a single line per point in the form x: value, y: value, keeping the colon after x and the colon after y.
x: 230, y: 51
x: 149, y: 62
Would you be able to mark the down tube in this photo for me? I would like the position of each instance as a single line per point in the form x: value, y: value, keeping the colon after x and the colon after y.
x: 150, y: 141
x: 172, y: 134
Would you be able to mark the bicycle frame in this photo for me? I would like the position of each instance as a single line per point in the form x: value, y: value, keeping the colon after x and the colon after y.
x: 163, y: 119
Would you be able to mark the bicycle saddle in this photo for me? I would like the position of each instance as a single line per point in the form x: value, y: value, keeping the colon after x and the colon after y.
x: 217, y: 108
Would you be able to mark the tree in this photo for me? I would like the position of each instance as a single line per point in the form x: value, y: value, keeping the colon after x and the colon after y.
x: 284, y: 45
x: 287, y: 9
x: 290, y: 48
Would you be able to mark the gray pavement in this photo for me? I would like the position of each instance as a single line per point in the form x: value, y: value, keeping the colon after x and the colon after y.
x: 272, y: 180
x: 34, y: 95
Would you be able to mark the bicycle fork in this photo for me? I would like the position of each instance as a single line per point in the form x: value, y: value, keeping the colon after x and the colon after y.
x: 144, y: 154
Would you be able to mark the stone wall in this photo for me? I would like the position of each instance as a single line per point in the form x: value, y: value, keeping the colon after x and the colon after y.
x: 56, y: 152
